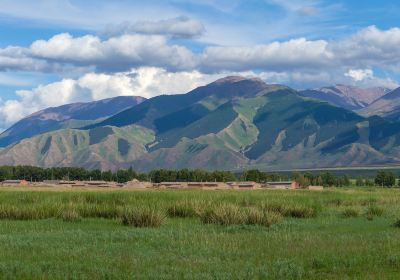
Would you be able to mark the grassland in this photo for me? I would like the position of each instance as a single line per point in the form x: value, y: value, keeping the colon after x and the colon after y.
x: 196, y: 234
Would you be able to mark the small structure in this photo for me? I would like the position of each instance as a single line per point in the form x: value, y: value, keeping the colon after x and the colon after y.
x: 195, y: 185
x: 315, y: 188
x: 63, y: 182
x: 51, y: 182
x: 100, y: 184
x: 244, y: 185
x: 15, y: 183
x: 206, y: 185
x: 171, y: 185
x: 282, y: 185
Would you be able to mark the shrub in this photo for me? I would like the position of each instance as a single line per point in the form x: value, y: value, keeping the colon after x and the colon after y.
x: 142, y: 217
x: 350, y: 213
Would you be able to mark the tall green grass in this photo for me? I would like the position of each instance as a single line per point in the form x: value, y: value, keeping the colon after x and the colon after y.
x: 142, y: 217
x: 195, y: 234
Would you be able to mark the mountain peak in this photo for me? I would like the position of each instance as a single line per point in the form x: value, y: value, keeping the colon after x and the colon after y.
x: 235, y: 79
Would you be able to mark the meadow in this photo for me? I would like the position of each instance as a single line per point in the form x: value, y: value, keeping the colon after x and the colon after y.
x: 198, y: 234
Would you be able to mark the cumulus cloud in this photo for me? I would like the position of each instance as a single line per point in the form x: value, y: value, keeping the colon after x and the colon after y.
x: 145, y: 81
x: 179, y: 27
x: 366, y: 49
x: 370, y: 46
x: 360, y: 74
x: 277, y: 56
x: 18, y: 58
x: 116, y: 53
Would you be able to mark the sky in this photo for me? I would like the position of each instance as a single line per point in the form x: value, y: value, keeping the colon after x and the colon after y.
x: 54, y: 52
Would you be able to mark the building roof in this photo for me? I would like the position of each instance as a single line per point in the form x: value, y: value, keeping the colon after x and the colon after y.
x: 280, y: 183
x: 13, y: 181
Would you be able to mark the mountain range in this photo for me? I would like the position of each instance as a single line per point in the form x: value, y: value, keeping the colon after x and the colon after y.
x: 348, y: 97
x: 73, y: 115
x: 233, y: 123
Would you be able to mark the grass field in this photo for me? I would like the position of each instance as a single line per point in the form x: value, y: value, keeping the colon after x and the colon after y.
x: 196, y: 234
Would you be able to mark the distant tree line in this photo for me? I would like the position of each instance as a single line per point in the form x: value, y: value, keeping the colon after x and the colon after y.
x: 187, y: 175
x: 326, y: 179
x: 305, y: 179
x: 38, y: 174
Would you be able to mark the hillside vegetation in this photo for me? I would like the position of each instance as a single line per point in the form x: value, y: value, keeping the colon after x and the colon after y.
x: 231, y: 124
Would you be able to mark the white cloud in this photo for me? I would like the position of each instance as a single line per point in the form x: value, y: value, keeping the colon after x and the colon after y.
x: 179, y: 27
x: 145, y: 81
x: 116, y: 53
x: 366, y: 49
x: 360, y: 74
x: 277, y: 56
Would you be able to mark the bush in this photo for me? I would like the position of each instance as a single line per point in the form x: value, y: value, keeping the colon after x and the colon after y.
x: 350, y: 213
x: 142, y: 217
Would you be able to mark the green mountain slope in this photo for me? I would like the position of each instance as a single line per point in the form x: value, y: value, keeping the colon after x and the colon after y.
x: 73, y: 115
x: 103, y: 147
x: 233, y: 123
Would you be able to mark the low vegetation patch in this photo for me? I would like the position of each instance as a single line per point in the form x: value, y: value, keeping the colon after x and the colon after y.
x: 293, y: 210
x: 230, y: 214
x: 70, y: 215
x: 351, y: 213
x: 397, y: 223
x: 28, y: 212
x: 374, y: 211
x: 142, y: 217
x: 182, y: 209
x: 255, y: 216
x: 225, y: 214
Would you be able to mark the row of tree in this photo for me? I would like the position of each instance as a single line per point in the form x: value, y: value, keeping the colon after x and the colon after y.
x: 38, y: 174
x: 327, y: 179
x: 305, y: 179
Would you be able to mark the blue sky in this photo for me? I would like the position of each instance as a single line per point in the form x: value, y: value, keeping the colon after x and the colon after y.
x: 59, y: 51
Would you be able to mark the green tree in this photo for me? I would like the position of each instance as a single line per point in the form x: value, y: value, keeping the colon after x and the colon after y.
x: 360, y: 182
x: 385, y: 179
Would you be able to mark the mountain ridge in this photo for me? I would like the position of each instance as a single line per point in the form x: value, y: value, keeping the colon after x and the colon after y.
x: 65, y: 116
x: 233, y: 123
